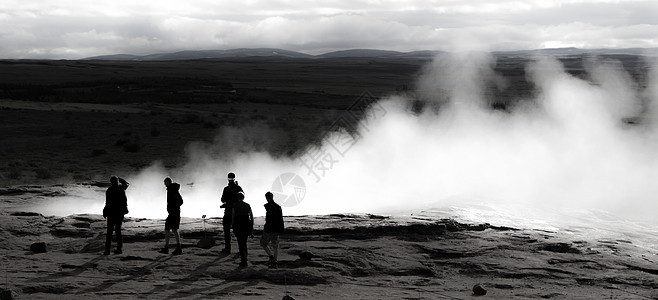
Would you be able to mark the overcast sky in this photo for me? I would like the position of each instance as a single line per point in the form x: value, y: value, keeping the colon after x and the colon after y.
x: 79, y: 28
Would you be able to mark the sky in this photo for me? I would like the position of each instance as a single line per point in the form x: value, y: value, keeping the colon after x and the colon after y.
x: 72, y: 29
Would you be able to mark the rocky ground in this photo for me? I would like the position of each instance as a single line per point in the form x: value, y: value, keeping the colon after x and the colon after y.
x: 322, y: 257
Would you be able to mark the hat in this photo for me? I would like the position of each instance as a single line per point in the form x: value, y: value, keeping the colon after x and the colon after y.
x: 231, y: 176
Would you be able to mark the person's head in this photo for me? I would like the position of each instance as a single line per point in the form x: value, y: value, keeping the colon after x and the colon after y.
x: 167, y: 181
x: 114, y: 180
x: 269, y: 197
x: 231, y: 177
x: 240, y: 196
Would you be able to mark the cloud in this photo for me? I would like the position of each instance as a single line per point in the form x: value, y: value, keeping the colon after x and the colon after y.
x: 63, y: 29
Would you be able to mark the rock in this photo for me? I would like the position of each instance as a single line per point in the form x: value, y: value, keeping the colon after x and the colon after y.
x: 206, y: 243
x: 93, y: 246
x: 306, y: 255
x: 478, y: 290
x: 7, y: 294
x: 286, y: 297
x: 39, y: 247
x: 26, y: 214
x: 560, y: 248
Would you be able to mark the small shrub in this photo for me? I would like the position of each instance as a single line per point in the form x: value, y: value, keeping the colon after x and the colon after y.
x: 190, y: 119
x: 98, y: 152
x: 131, y: 147
x: 43, y: 173
x: 15, y: 169
x: 70, y: 135
x: 15, y: 172
x: 209, y: 124
x: 81, y: 177
x: 122, y: 142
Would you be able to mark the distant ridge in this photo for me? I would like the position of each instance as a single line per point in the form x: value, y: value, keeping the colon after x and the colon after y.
x: 206, y: 54
x: 361, y: 53
x: 355, y: 53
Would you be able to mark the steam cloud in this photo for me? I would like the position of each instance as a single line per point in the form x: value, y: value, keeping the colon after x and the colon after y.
x: 565, y: 147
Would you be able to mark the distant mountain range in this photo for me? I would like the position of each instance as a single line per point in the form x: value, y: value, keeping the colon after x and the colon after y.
x: 374, y: 53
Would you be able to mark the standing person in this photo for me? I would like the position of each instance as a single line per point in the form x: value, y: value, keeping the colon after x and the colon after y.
x: 243, y: 224
x: 116, y: 206
x: 174, y: 202
x: 229, y: 197
x: 273, y: 227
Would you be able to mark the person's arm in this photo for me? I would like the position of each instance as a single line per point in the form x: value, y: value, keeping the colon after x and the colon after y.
x: 224, y: 196
x: 280, y: 217
x: 232, y: 216
x: 105, y: 208
x: 124, y: 203
x: 124, y: 183
x: 251, y: 221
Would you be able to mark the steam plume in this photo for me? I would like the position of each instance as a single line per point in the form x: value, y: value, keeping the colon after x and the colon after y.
x: 570, y: 145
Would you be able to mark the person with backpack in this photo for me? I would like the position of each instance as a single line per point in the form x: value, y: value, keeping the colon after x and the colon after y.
x: 116, y: 207
x: 272, y: 229
x: 229, y: 197
x: 174, y: 202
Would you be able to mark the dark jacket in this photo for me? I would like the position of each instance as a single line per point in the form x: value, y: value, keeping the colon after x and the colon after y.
x: 242, y: 221
x: 229, y: 197
x: 116, y: 203
x: 273, y: 218
x: 174, y: 199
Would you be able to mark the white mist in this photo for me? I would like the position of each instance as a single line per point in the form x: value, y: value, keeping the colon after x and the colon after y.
x: 567, y: 148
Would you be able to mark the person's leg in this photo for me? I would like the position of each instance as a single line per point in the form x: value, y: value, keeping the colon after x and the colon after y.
x: 175, y: 226
x: 264, y: 243
x: 178, y: 247
x: 108, y: 236
x: 117, y: 228
x: 241, y: 236
x: 275, y: 246
x: 242, y: 246
x: 165, y: 250
x: 227, y: 237
x: 167, y: 233
x: 177, y: 236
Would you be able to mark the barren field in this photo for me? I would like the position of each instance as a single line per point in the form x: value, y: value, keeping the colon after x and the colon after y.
x: 74, y: 123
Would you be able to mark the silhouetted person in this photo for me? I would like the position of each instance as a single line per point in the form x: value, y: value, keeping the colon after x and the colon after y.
x: 229, y: 197
x: 174, y: 202
x: 273, y: 227
x: 116, y: 206
x: 243, y: 222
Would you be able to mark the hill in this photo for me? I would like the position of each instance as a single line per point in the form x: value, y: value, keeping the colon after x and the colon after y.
x: 350, y: 53
x: 206, y: 54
